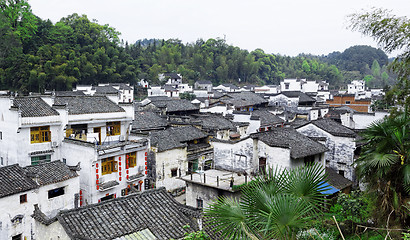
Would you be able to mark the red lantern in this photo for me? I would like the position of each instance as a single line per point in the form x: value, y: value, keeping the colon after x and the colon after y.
x: 96, y: 181
x: 96, y: 176
x: 96, y: 165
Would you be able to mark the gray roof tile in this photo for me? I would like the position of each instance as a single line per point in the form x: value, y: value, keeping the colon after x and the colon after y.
x: 336, y: 180
x: 334, y: 128
x: 33, y: 107
x: 300, y: 145
x: 52, y: 172
x: 175, y: 137
x: 13, y: 180
x: 155, y: 210
x: 266, y: 118
x: 88, y: 104
x: 148, y: 121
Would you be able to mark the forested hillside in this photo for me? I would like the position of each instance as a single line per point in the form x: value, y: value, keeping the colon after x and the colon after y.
x: 37, y: 54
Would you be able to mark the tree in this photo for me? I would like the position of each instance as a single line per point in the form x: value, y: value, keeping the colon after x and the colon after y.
x: 273, y: 206
x: 385, y: 163
x: 391, y: 33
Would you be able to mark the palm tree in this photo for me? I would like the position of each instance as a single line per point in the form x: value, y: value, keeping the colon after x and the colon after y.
x: 385, y: 165
x: 273, y: 206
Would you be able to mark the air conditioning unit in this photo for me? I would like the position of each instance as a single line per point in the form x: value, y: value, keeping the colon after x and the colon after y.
x: 140, y: 168
x: 122, y: 138
x: 101, y: 180
x: 54, y: 144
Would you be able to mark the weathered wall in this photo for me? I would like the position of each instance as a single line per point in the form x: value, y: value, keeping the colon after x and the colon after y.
x: 167, y: 160
x: 234, y: 156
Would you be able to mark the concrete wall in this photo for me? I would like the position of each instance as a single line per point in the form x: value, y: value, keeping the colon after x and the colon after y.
x: 167, y: 160
x: 234, y: 156
x: 275, y: 157
x: 54, y: 231
x: 206, y: 194
x: 362, y: 121
x: 341, y: 150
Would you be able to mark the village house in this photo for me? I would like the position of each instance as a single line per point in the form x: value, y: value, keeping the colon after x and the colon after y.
x: 291, y: 99
x: 30, y: 131
x: 153, y: 214
x: 117, y: 92
x: 360, y: 105
x: 203, y: 84
x: 50, y: 187
x: 259, y: 120
x: 226, y: 87
x: 203, y: 188
x: 168, y: 106
x: 176, y: 152
x: 145, y: 121
x: 340, y: 140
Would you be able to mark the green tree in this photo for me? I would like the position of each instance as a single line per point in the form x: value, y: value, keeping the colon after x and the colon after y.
x: 385, y: 164
x: 273, y: 206
x: 376, y: 68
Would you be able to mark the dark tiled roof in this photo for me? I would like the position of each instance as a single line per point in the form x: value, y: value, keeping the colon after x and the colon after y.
x: 105, y: 90
x: 13, y: 180
x: 334, y: 128
x: 266, y: 118
x: 34, y: 107
x: 215, y: 122
x: 300, y: 145
x: 303, y: 97
x: 175, y: 137
x: 243, y: 99
x: 69, y: 93
x: 109, y: 184
x: 88, y: 104
x: 172, y: 75
x: 52, y: 172
x: 203, y: 82
x: 230, y: 85
x: 153, y: 209
x: 176, y: 105
x: 336, y: 180
x: 122, y: 86
x: 298, y: 122
x: 147, y: 121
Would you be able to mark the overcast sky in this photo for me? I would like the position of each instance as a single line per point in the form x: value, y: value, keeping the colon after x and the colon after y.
x: 285, y: 27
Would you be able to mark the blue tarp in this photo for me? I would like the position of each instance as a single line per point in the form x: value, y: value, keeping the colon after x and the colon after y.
x: 328, y: 190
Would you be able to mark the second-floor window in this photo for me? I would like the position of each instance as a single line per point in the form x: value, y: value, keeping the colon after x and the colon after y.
x: 40, y: 134
x: 132, y: 159
x: 109, y: 165
x: 113, y: 128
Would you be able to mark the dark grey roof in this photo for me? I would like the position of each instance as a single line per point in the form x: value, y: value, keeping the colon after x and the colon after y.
x: 266, y: 118
x: 336, y: 180
x: 230, y: 85
x: 334, y: 128
x: 300, y: 145
x: 215, y: 122
x: 14, y: 180
x: 69, y: 93
x: 203, y: 82
x: 170, y: 88
x: 148, y: 121
x: 298, y: 122
x: 175, y: 137
x: 175, y: 105
x: 303, y: 97
x: 172, y: 75
x: 88, y: 104
x: 122, y: 86
x: 105, y: 90
x: 153, y: 209
x: 33, y: 107
x: 52, y: 172
x: 159, y: 98
x: 243, y: 99
x: 109, y: 184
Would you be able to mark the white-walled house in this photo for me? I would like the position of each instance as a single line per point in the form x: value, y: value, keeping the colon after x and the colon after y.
x: 30, y: 130
x: 26, y: 193
x: 340, y: 141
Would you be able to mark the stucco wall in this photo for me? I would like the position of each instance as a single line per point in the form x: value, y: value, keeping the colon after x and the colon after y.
x: 167, y: 160
x: 234, y: 156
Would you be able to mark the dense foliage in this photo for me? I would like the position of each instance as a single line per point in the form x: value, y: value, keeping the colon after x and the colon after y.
x: 36, y: 54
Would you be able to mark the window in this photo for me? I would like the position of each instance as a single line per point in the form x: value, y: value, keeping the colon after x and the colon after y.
x: 341, y: 172
x: 108, y: 197
x: 108, y: 165
x: 40, y: 134
x: 174, y: 172
x: 1, y: 135
x: 286, y: 85
x: 1, y: 161
x: 347, y: 102
x: 40, y: 159
x: 309, y: 160
x: 113, y: 128
x: 23, y: 198
x: 132, y: 159
x: 199, y: 203
x: 55, y: 192
x: 17, y: 237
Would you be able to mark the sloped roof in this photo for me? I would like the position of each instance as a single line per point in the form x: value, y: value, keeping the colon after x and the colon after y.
x: 216, y: 122
x: 334, y: 128
x: 336, y: 180
x: 266, y: 118
x: 148, y: 120
x: 88, y: 104
x: 33, y: 107
x: 172, y: 75
x: 69, y: 93
x: 175, y: 105
x: 243, y: 99
x: 203, y: 82
x: 13, y: 180
x: 155, y: 210
x: 303, y: 97
x: 300, y: 145
x: 122, y: 86
x: 175, y: 137
x: 52, y: 172
x: 105, y: 90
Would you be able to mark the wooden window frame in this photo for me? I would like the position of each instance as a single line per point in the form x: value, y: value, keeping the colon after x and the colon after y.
x: 23, y: 198
x: 40, y: 134
x: 109, y: 165
x: 113, y: 128
x: 132, y: 159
